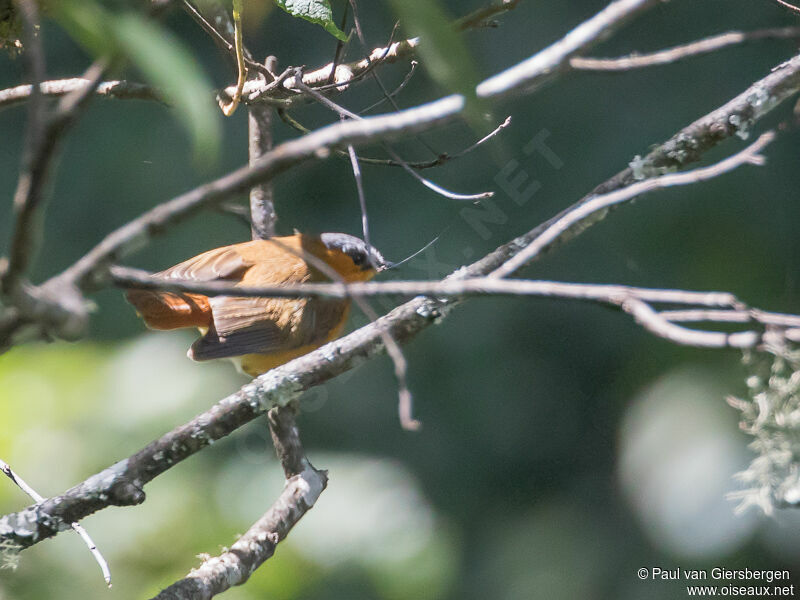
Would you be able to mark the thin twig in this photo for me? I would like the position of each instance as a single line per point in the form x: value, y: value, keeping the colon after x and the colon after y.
x: 482, y: 17
x: 413, y: 68
x: 284, y: 94
x: 362, y: 199
x: 343, y: 112
x: 76, y: 527
x: 550, y: 61
x: 791, y: 7
x: 46, y: 131
x: 750, y: 155
x: 122, y: 90
x: 224, y: 41
x: 126, y: 277
x: 385, y: 92
x: 677, y: 53
x: 262, y: 202
x: 388, y: 162
x: 34, y: 158
x: 340, y: 46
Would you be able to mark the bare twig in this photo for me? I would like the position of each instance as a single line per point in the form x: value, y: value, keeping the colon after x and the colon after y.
x: 340, y: 46
x: 262, y: 204
x: 450, y: 288
x: 304, y: 484
x: 414, y: 64
x: 223, y: 35
x: 732, y: 311
x: 677, y: 53
x: 34, y: 158
x: 543, y: 65
x: 362, y: 199
x: 76, y: 527
x: 661, y: 327
x: 482, y: 17
x: 284, y: 93
x: 573, y: 218
x: 45, y: 133
x: 343, y: 112
x: 122, y: 90
x: 791, y: 7
x: 384, y: 91
x: 388, y: 162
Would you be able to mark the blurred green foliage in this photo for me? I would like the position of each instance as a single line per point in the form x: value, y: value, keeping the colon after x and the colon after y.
x: 563, y: 448
x: 163, y: 60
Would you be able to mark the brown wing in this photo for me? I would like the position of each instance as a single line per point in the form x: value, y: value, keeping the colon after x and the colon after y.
x: 265, y: 325
x: 171, y: 310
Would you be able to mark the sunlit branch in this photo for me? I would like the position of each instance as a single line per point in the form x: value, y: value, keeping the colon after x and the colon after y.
x: 684, y: 51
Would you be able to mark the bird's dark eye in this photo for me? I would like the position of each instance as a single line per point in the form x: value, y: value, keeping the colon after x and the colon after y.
x: 359, y: 258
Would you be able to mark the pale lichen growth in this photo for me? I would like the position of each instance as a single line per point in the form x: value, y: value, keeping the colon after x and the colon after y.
x: 771, y: 414
x: 741, y: 125
x: 9, y: 555
x: 637, y: 166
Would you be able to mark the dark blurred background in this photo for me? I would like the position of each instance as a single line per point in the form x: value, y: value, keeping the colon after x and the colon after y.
x: 563, y: 447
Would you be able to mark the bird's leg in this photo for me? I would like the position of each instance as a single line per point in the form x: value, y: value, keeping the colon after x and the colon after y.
x: 229, y: 109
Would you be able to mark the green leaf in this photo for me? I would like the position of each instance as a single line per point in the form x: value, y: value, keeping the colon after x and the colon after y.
x: 163, y: 60
x: 314, y: 11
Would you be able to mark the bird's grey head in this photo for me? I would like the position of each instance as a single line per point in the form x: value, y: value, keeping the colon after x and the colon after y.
x: 363, y: 256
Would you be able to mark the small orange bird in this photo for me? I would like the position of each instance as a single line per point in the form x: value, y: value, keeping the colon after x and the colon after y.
x: 259, y: 334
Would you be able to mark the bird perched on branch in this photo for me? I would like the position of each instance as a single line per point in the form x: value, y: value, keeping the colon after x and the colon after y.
x: 260, y: 333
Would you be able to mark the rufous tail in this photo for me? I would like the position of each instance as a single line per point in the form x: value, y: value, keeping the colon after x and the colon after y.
x: 169, y: 310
